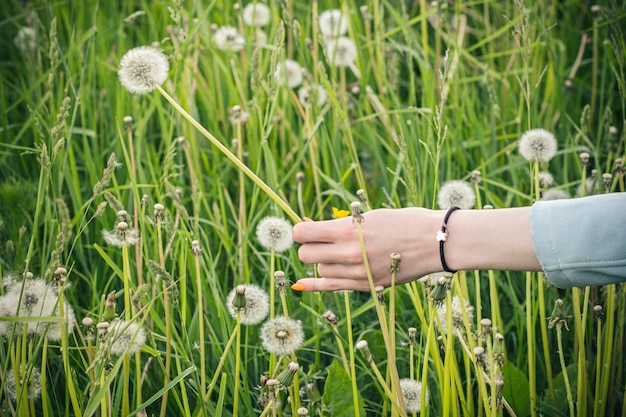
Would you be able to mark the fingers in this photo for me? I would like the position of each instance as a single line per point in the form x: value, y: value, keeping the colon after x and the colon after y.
x: 330, y: 284
x: 327, y: 231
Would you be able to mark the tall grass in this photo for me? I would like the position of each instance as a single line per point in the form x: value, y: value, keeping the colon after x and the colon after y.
x: 437, y: 92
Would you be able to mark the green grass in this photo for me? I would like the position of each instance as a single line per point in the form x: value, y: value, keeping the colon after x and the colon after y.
x: 394, y: 127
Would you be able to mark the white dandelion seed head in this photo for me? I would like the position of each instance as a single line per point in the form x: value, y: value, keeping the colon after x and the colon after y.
x: 142, y: 68
x: 341, y: 51
x: 25, y: 40
x: 274, y: 233
x: 257, y: 304
x: 412, y: 393
x: 333, y: 23
x: 32, y: 380
x: 281, y: 335
x: 256, y: 14
x: 125, y: 338
x: 304, y: 94
x: 289, y: 73
x: 537, y: 145
x: 122, y: 235
x: 591, y: 187
x: 545, y: 178
x: 456, y: 193
x: 458, y: 326
x: 228, y: 38
x: 554, y: 194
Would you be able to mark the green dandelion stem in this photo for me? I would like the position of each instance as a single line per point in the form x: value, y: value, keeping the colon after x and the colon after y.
x: 568, y: 389
x: 237, y: 364
x: 355, y: 392
x: 238, y: 163
x: 201, y: 328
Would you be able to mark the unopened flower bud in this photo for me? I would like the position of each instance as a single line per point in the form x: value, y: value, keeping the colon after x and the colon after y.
x: 355, y: 207
x: 363, y: 347
x: 286, y: 376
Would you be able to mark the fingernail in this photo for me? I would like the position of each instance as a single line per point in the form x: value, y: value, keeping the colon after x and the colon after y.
x: 298, y: 287
x: 307, y: 219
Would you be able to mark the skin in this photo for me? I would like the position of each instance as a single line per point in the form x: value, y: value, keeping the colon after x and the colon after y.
x: 478, y: 239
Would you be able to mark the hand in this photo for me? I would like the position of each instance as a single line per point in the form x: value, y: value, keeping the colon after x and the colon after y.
x: 335, y: 247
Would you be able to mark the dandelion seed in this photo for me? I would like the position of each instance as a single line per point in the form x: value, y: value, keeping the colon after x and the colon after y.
x: 554, y: 194
x: 122, y: 235
x: 342, y: 51
x: 227, y: 38
x: 456, y: 193
x: 125, y: 337
x: 537, y: 145
x: 304, y: 94
x: 32, y: 380
x: 142, y: 68
x: 256, y: 308
x: 34, y: 298
x: 458, y: 326
x: 333, y: 23
x: 256, y: 14
x: 412, y: 393
x: 274, y: 233
x: 289, y: 73
x: 281, y: 335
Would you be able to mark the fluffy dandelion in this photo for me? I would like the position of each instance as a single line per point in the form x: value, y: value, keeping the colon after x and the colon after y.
x: 274, y: 233
x: 342, y: 51
x: 281, y: 335
x: 289, y: 73
x: 32, y: 381
x: 228, y: 38
x: 25, y: 40
x: 259, y: 37
x: 256, y: 14
x: 257, y: 304
x: 333, y: 23
x: 304, y: 94
x: 122, y: 235
x: 456, y: 193
x: 458, y: 326
x: 125, y: 338
x: 545, y: 179
x: 34, y: 298
x: 142, y: 68
x: 554, y: 194
x: 412, y: 393
x: 537, y: 145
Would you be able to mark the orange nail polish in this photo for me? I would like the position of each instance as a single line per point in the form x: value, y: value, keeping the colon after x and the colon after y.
x: 307, y: 219
x: 298, y: 287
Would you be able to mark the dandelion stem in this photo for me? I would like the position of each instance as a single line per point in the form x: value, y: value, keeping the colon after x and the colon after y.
x: 237, y: 364
x: 220, y: 365
x: 355, y: 392
x: 238, y: 163
x: 568, y: 389
x: 201, y: 328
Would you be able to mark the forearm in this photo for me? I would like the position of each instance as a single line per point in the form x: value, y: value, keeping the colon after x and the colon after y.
x: 497, y: 239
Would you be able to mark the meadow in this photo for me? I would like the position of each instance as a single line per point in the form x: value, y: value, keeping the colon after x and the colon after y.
x: 147, y: 197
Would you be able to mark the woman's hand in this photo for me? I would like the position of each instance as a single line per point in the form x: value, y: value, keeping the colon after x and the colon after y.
x: 335, y: 247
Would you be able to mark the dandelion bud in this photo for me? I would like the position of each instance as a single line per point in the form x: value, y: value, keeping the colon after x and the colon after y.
x: 195, y: 248
x: 584, y: 158
x: 122, y: 215
x: 355, y: 207
x: 595, y: 9
x: 122, y: 226
x: 498, y: 350
x: 606, y: 181
x: 313, y: 393
x: 60, y: 271
x: 479, y: 351
x: 285, y: 378
x: 380, y: 293
x: 475, y: 177
x: 330, y: 318
x: 619, y: 167
x: 412, y: 332
x: 158, y: 210
x: 87, y: 321
x: 486, y: 326
x: 280, y: 282
x: 28, y: 275
x: 109, y: 306
x: 144, y: 200
x: 302, y: 411
x: 558, y: 315
x: 395, y: 262
x: 300, y: 176
x: 102, y: 327
x: 438, y: 293
x: 239, y: 301
x: 361, y: 194
x: 128, y: 122
x: 598, y: 312
x: 363, y: 347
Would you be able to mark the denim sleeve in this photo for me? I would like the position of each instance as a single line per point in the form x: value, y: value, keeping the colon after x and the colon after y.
x: 581, y: 241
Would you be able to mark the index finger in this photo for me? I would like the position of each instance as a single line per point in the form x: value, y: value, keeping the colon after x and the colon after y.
x: 326, y: 231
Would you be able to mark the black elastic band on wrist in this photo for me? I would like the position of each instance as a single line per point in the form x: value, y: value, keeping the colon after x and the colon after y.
x: 442, y: 237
